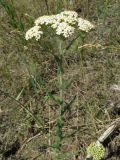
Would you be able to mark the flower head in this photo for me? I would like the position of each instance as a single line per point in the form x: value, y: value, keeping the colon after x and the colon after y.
x: 33, y: 32
x: 96, y: 150
x: 45, y: 20
x: 63, y: 23
x: 69, y: 17
x: 84, y: 25
x: 64, y: 29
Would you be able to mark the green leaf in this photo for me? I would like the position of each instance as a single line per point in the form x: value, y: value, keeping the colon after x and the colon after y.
x: 19, y: 95
x: 68, y: 105
x: 54, y: 98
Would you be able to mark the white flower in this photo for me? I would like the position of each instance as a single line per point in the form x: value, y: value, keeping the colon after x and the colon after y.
x: 64, y: 29
x: 33, y: 32
x: 64, y: 24
x: 69, y: 17
x: 66, y: 16
x: 45, y: 20
x: 55, y: 24
x: 61, y: 22
x: 84, y: 25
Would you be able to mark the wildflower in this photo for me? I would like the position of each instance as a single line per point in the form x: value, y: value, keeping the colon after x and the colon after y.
x: 34, y: 32
x: 45, y: 20
x: 84, y: 25
x: 64, y: 24
x: 64, y: 29
x: 69, y: 17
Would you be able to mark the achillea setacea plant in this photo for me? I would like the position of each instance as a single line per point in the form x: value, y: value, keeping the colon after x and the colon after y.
x: 63, y: 26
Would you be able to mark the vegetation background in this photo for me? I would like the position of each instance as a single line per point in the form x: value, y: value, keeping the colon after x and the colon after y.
x: 28, y: 74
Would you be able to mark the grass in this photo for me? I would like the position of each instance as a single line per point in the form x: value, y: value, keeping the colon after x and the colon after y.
x: 28, y: 77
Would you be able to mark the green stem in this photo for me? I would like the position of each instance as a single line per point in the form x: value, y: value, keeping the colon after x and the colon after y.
x: 61, y: 74
x: 60, y: 77
x: 59, y: 125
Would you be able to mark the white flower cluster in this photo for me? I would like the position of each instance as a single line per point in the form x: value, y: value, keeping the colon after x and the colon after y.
x: 69, y: 17
x: 64, y: 29
x: 84, y: 25
x: 63, y: 23
x: 45, y: 20
x: 33, y: 32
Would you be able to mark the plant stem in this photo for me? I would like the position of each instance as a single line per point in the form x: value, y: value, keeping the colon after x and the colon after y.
x: 59, y: 124
x: 61, y: 75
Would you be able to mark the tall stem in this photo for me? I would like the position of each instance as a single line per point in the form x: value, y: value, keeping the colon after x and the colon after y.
x: 61, y: 75
x: 59, y: 125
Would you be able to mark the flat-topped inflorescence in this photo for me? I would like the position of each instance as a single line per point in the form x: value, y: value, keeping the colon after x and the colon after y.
x: 34, y: 32
x: 64, y: 24
x: 84, y: 25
